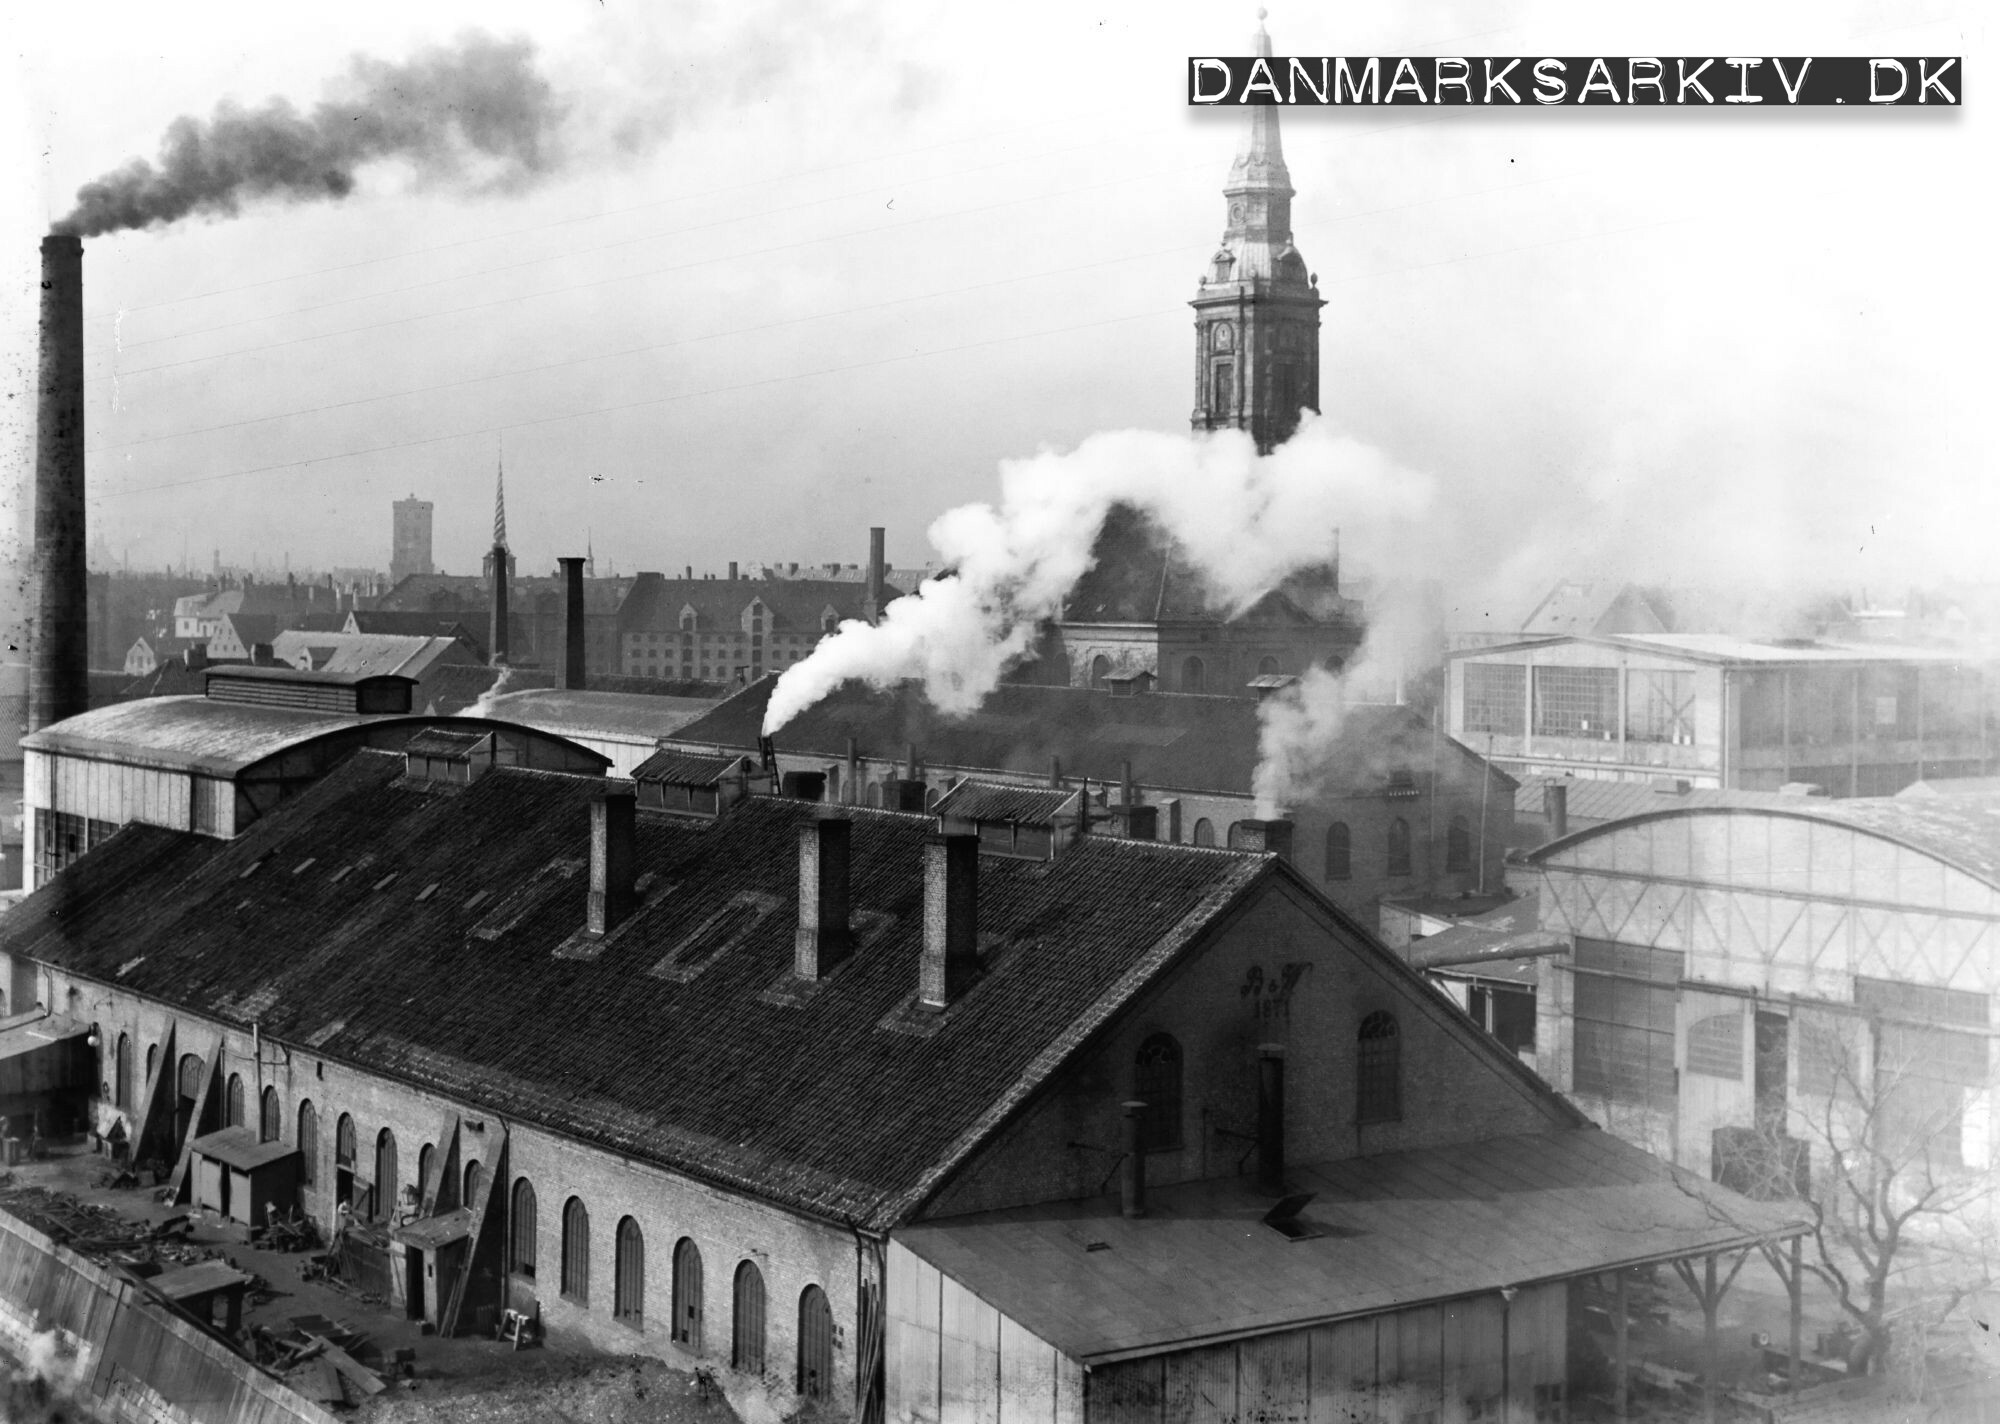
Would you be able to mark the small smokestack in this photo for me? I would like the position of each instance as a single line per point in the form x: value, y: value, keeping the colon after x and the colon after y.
x: 1271, y: 1118
x: 1055, y: 770
x: 874, y: 589
x: 1127, y: 792
x: 59, y: 636
x: 1132, y: 1179
x: 732, y: 571
x: 824, y: 937
x: 851, y: 778
x: 497, y: 634
x: 1274, y: 837
x: 951, y: 920
x: 910, y: 762
x: 573, y: 664
x: 612, y: 860
x: 1555, y: 809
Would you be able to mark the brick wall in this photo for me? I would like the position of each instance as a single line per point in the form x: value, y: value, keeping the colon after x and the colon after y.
x: 791, y: 1251
x: 1220, y: 1006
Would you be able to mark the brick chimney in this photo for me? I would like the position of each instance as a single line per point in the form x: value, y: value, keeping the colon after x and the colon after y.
x: 1271, y: 1118
x: 874, y: 591
x: 59, y: 632
x: 1555, y: 809
x: 613, y: 860
x: 573, y: 671
x: 825, y: 937
x: 1272, y: 836
x: 951, y: 920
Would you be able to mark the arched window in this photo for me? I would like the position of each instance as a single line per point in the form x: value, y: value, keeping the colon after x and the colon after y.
x: 687, y: 1295
x: 576, y: 1252
x: 471, y: 1183
x: 232, y: 1102
x: 1339, y: 852
x: 190, y: 1077
x: 98, y: 1057
x: 152, y: 1057
x: 746, y: 1320
x: 1236, y: 836
x: 628, y: 1286
x: 524, y: 1227
x: 1399, y: 847
x: 1194, y: 677
x: 1156, y: 1082
x: 1378, y: 1070
x: 345, y: 1142
x: 1458, y: 845
x: 385, y: 1175
x: 425, y: 1155
x: 1100, y: 669
x: 123, y: 1085
x: 270, y: 1118
x: 1204, y: 833
x: 308, y: 1143
x: 1267, y: 667
x: 815, y: 1344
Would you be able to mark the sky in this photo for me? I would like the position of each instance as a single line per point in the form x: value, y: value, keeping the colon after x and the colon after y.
x: 791, y: 270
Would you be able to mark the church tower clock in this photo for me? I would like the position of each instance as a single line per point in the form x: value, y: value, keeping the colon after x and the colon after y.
x: 1256, y: 321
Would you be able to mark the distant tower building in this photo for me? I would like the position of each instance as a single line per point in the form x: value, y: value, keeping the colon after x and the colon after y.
x: 410, y: 547
x: 1256, y: 320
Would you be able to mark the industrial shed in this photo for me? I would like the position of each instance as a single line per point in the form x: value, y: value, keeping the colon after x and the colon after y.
x: 1713, y: 947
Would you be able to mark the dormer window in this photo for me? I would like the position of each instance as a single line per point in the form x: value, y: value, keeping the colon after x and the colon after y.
x: 688, y: 620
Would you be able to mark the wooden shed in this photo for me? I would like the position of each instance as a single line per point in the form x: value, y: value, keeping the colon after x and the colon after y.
x: 239, y: 1178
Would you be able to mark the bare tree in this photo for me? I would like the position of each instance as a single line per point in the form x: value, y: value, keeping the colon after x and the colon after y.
x: 1874, y: 1148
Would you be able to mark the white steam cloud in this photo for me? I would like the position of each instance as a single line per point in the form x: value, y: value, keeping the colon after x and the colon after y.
x: 483, y: 705
x: 45, y: 1384
x: 1245, y: 521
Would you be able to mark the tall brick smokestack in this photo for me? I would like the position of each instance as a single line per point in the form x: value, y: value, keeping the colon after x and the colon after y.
x: 59, y: 634
x: 573, y: 669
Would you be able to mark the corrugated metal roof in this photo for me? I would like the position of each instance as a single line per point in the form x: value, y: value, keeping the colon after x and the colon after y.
x: 601, y: 714
x: 185, y: 733
x: 1590, y: 799
x: 241, y: 1147
x: 808, y: 1101
x: 1399, y: 1229
x: 1729, y: 649
x: 1512, y: 929
x: 1960, y: 831
x: 992, y: 801
x: 1175, y: 741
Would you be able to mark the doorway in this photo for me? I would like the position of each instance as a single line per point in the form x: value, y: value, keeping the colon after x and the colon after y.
x: 413, y: 1281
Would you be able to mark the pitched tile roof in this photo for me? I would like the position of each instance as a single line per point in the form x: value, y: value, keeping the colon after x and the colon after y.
x: 813, y: 1100
x: 1175, y: 741
x: 682, y: 769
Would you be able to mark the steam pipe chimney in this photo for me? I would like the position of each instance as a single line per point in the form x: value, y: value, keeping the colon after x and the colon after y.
x: 1271, y: 1118
x: 1132, y: 1180
x: 58, y: 640
x: 572, y: 666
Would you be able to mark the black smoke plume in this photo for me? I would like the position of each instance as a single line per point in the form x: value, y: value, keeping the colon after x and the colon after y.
x: 475, y: 114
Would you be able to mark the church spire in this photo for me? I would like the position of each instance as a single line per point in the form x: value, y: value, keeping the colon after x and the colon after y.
x: 500, y: 504
x: 1257, y: 309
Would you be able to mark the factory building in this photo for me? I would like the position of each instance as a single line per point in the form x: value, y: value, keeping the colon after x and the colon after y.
x: 1724, y: 712
x: 886, y: 1117
x: 1720, y: 963
x: 1402, y: 809
x: 213, y: 764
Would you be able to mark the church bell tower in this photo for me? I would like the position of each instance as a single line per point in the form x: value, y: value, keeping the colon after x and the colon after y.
x: 1256, y: 315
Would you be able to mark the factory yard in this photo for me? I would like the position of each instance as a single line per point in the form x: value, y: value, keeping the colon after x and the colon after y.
x: 463, y: 1380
